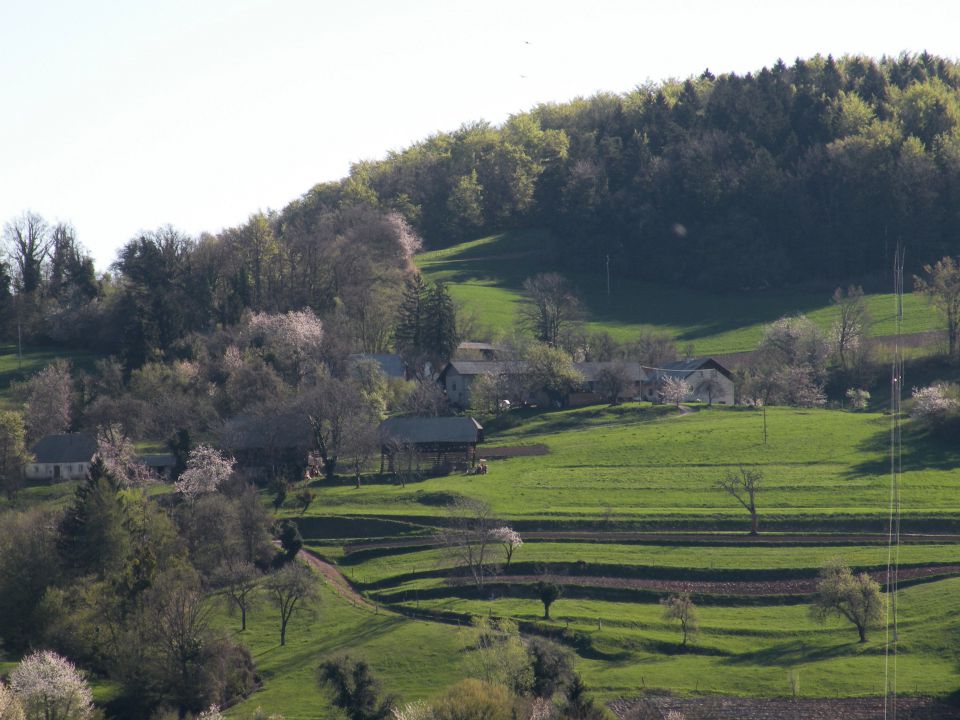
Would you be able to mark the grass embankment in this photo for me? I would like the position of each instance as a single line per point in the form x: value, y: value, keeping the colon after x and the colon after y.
x: 486, y: 276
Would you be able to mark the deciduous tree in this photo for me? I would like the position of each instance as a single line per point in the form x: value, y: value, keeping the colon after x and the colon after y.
x: 857, y: 598
x: 550, y: 307
x: 13, y: 452
x: 681, y: 609
x: 207, y: 469
x: 49, y: 687
x: 291, y: 588
x: 744, y: 486
x: 942, y: 285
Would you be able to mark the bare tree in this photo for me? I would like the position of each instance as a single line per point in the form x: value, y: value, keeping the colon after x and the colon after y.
x: 653, y: 349
x: 238, y: 579
x: 850, y: 327
x: 291, y: 588
x: 550, y: 306
x: 49, y: 401
x: 744, y: 487
x: 13, y: 453
x: 28, y: 242
x: 942, y: 286
x: 467, y: 537
x: 710, y: 386
x: 360, y: 443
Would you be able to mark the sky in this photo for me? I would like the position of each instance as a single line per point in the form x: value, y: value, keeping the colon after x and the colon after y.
x: 124, y: 115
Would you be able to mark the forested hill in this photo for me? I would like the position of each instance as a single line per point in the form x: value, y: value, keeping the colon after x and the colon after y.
x: 809, y: 171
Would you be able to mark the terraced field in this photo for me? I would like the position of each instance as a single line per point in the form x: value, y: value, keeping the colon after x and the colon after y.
x: 623, y: 510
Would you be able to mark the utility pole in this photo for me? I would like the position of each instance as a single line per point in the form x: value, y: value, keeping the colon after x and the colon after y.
x: 608, y: 275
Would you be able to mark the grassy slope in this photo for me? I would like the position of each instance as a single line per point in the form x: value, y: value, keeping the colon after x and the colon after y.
x: 486, y: 275
x: 620, y: 463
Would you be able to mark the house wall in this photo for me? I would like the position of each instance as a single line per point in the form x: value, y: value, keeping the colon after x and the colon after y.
x: 458, y: 388
x: 68, y: 471
x: 724, y: 397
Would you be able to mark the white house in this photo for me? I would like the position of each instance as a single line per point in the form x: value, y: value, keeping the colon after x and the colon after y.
x: 61, y: 457
x: 709, y: 380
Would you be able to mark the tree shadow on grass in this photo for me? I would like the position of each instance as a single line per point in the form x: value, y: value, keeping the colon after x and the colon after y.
x: 923, y: 449
x: 796, y: 652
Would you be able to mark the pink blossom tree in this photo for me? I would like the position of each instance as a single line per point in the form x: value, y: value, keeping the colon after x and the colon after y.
x: 509, y: 538
x: 120, y: 458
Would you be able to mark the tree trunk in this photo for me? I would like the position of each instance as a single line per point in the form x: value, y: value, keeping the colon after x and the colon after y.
x: 546, y: 611
x: 754, y: 524
x: 283, y: 632
x: 863, y: 633
x: 243, y: 617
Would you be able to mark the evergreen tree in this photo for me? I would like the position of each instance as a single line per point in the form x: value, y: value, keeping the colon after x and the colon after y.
x: 93, y: 536
x: 409, y: 331
x: 441, y: 338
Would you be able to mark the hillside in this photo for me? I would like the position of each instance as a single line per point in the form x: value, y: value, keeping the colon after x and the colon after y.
x: 486, y: 276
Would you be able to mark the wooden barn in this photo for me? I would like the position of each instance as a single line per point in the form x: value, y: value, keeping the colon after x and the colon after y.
x: 446, y: 440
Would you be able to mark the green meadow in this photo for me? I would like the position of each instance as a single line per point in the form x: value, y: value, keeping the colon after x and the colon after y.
x: 486, y: 277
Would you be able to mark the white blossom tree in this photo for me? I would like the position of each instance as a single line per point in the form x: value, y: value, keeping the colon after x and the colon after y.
x: 293, y: 338
x: 509, y: 538
x: 49, y: 687
x: 674, y: 389
x: 934, y: 402
x: 10, y: 708
x: 206, y: 471
x: 211, y: 713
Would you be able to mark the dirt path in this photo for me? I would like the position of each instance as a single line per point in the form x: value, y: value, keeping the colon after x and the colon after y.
x: 335, y: 578
x: 677, y: 538
x: 802, y: 586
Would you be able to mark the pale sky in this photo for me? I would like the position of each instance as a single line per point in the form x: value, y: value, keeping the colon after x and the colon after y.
x: 126, y: 115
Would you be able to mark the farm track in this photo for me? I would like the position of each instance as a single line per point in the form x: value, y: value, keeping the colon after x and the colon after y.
x: 337, y: 581
x: 673, y: 539
x: 745, y: 588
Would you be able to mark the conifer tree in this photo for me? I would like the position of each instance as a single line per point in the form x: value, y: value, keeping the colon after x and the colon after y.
x: 411, y: 317
x: 441, y: 324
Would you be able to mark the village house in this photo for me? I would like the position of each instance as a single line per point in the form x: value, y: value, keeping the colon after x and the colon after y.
x: 470, y: 350
x: 457, y: 377
x: 709, y: 380
x: 61, y: 457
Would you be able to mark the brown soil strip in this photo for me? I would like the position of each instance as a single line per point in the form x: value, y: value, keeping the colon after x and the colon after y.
x: 803, y: 586
x: 678, y: 538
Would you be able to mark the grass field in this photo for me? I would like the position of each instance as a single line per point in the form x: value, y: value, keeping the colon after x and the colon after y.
x: 635, y: 464
x: 14, y: 368
x: 486, y: 277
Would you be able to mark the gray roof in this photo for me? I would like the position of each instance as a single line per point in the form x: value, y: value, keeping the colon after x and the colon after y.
x: 67, y: 448
x: 494, y: 367
x: 683, y: 368
x: 589, y: 370
x: 432, y: 430
x: 259, y: 432
x: 391, y: 364
x: 159, y: 460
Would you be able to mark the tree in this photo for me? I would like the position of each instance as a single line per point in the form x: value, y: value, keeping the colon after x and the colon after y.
x: 361, y: 443
x: 93, y: 533
x: 119, y: 457
x: 854, y: 597
x: 499, y: 656
x: 681, y: 609
x: 550, y: 307
x: 509, y: 539
x: 744, y: 486
x: 329, y: 405
x: 28, y: 568
x: 207, y: 469
x: 10, y: 708
x: 238, y: 580
x: 552, y: 666
x: 850, y: 327
x: 548, y: 592
x: 354, y: 689
x: 550, y: 371
x: 290, y: 539
x: 410, y: 330
x: 654, y: 349
x: 440, y: 333
x: 612, y: 382
x: 467, y: 538
x: 858, y: 398
x: 28, y: 242
x: 674, y: 389
x: 291, y: 588
x: 49, y: 687
x: 13, y: 452
x: 49, y: 401
x: 710, y: 386
x: 795, y: 342
x: 942, y: 286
